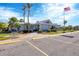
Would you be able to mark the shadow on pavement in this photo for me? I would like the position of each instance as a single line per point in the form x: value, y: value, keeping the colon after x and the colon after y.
x: 68, y: 36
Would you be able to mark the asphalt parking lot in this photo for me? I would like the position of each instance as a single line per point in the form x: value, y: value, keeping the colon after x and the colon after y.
x: 63, y: 45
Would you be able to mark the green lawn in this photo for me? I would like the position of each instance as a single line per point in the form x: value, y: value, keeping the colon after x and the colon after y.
x: 4, y: 36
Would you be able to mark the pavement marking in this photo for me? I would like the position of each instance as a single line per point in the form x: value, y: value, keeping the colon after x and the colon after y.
x: 35, y: 38
x: 37, y: 48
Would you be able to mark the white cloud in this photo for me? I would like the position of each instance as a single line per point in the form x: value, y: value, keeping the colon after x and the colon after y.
x: 55, y: 12
x: 6, y: 13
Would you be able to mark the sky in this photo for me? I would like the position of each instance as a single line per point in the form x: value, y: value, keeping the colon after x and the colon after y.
x: 41, y: 11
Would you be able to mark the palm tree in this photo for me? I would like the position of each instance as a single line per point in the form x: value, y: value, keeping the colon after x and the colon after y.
x: 24, y: 13
x: 28, y: 7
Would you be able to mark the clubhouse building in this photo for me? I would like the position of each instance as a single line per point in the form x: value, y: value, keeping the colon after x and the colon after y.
x: 44, y: 25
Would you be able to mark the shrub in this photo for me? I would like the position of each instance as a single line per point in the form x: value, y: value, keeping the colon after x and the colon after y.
x: 25, y: 31
x: 72, y: 30
x: 39, y: 31
x: 54, y: 30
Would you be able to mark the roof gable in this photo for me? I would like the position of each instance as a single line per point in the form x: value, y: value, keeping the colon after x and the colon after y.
x: 45, y: 22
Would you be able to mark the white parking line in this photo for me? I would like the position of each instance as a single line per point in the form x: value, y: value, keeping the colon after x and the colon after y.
x: 37, y: 48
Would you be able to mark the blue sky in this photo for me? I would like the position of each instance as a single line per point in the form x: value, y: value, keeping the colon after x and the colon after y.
x: 41, y: 11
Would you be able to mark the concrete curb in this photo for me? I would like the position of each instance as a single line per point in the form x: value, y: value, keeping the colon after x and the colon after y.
x: 11, y: 42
